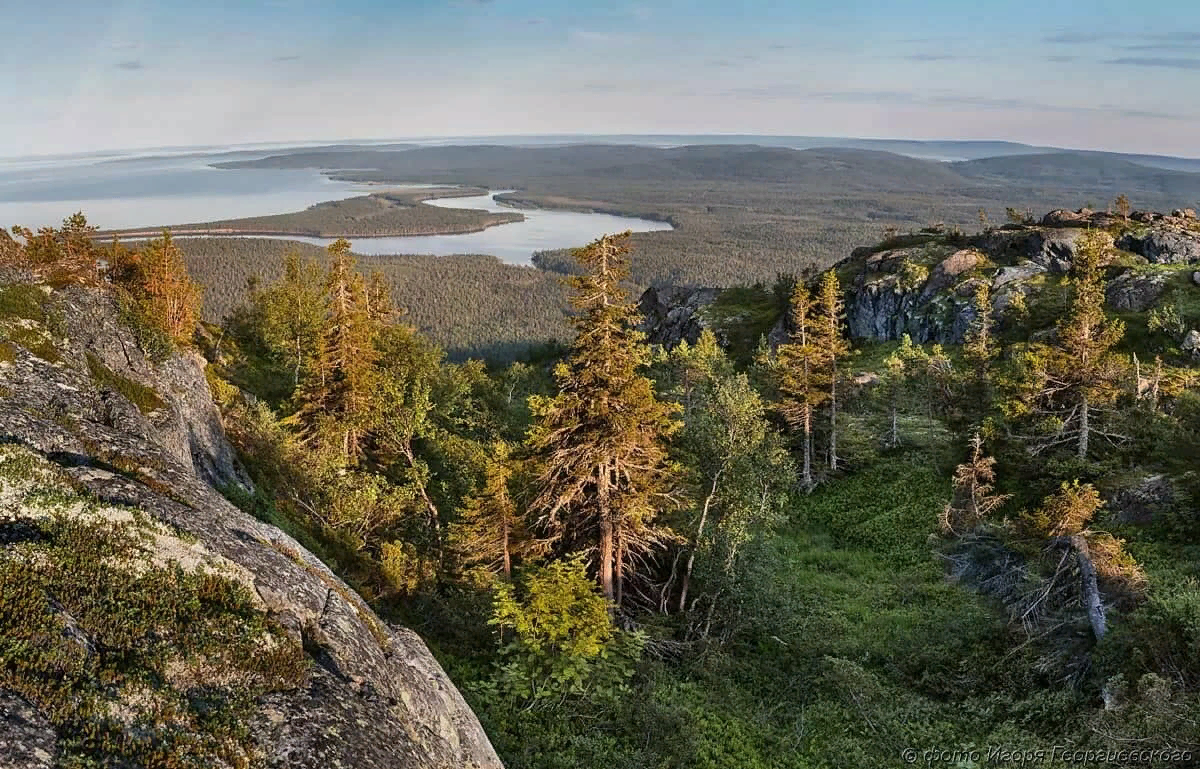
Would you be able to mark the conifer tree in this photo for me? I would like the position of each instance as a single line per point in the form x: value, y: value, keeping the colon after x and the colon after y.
x: 974, y: 499
x: 1083, y: 373
x: 803, y: 378
x: 166, y: 289
x: 337, y: 399
x: 492, y: 532
x: 831, y: 341
x: 601, y: 440
x: 979, y: 349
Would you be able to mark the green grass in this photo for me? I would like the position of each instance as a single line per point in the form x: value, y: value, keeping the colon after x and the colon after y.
x: 145, y: 398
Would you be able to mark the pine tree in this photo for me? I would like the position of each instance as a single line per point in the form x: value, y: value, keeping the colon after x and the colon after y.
x: 831, y: 341
x: 601, y: 439
x: 802, y: 366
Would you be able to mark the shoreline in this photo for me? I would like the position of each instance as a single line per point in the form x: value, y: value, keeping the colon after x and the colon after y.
x: 415, y: 198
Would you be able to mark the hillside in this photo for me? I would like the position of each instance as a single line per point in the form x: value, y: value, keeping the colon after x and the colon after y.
x: 949, y: 505
x: 170, y: 626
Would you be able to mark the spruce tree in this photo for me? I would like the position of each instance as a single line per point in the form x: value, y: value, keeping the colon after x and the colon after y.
x: 1083, y: 374
x: 802, y: 375
x: 335, y: 403
x: 166, y: 289
x: 831, y: 341
x: 601, y: 439
x: 492, y: 531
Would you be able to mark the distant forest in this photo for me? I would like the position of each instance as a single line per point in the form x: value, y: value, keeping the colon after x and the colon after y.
x: 742, y: 214
x: 746, y: 212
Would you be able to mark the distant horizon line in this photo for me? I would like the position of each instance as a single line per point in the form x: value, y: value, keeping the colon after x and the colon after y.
x: 184, y: 149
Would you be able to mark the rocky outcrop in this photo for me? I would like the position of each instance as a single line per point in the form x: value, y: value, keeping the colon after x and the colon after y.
x: 126, y: 431
x: 897, y: 294
x: 924, y: 287
x: 1133, y: 291
x: 673, y: 314
x: 1163, y: 246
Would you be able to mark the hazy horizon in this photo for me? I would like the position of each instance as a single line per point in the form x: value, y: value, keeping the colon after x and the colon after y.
x: 155, y: 73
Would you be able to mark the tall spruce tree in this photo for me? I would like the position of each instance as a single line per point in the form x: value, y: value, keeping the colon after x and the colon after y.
x: 335, y: 403
x: 601, y: 440
x: 831, y: 340
x: 492, y: 532
x: 1082, y: 375
x: 802, y: 375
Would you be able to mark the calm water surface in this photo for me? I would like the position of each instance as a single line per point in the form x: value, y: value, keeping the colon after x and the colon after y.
x: 513, y: 243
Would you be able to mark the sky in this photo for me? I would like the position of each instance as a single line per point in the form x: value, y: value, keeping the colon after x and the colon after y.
x: 88, y: 75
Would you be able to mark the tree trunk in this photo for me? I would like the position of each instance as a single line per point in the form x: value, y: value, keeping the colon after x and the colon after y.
x: 1089, y: 587
x: 606, y: 537
x: 833, y: 457
x: 807, y: 474
x: 619, y: 569
x: 895, y: 430
x: 687, y: 572
x: 506, y: 553
x: 1084, y: 426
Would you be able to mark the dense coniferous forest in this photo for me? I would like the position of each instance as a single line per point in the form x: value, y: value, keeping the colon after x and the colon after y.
x: 821, y: 554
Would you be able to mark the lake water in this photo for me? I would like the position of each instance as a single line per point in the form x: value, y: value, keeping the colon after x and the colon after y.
x: 513, y: 243
x: 125, y: 192
x: 136, y: 192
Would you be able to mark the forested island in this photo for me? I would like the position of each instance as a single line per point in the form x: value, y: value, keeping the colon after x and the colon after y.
x: 934, y: 498
x: 378, y: 215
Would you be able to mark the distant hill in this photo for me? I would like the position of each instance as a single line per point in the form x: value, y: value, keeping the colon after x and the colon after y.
x: 1103, y: 173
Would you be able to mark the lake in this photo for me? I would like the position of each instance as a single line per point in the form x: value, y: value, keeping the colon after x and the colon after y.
x: 130, y: 191
x: 513, y: 243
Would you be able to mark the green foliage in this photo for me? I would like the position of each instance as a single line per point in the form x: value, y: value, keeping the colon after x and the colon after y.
x: 563, y: 643
x: 23, y: 300
x: 151, y: 335
x: 145, y: 398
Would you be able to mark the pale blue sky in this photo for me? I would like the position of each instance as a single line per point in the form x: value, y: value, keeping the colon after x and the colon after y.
x: 102, y: 74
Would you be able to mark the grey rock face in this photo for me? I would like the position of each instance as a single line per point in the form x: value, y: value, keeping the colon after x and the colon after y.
x: 1191, y: 343
x: 673, y: 314
x: 376, y: 696
x: 1053, y: 249
x: 26, y: 739
x: 1134, y: 292
x: 1163, y: 246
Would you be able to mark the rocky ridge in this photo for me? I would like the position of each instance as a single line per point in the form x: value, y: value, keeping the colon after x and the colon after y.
x: 81, y: 399
x: 923, y: 284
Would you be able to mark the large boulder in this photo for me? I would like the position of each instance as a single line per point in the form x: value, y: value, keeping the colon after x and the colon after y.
x: 1053, y: 249
x: 1133, y: 291
x: 81, y: 399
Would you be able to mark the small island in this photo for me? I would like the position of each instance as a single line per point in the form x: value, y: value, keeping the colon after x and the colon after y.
x: 392, y: 213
